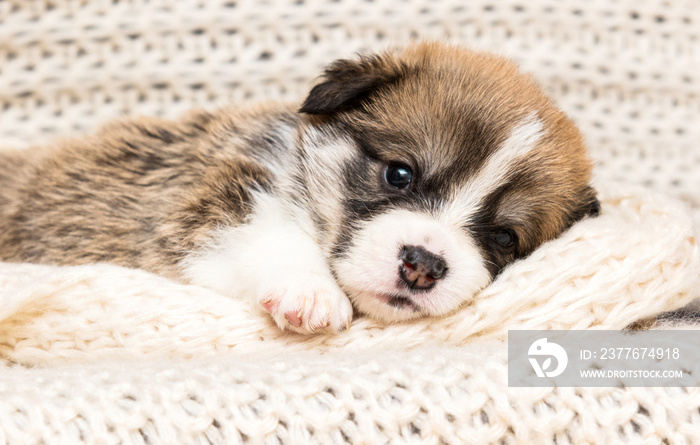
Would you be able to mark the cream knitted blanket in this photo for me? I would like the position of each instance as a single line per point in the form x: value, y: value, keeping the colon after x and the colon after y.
x: 101, y: 354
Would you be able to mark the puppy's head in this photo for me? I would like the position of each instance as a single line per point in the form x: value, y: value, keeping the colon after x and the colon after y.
x: 450, y: 164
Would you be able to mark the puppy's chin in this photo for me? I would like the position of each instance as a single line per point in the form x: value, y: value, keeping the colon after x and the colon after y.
x: 370, y: 270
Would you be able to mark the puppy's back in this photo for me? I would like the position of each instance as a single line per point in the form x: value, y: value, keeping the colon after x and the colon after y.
x: 15, y: 168
x: 97, y: 198
x: 140, y: 192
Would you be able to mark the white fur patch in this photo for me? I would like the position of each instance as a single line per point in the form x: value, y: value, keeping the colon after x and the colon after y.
x: 273, y: 259
x: 325, y: 154
x: 230, y: 264
x: 522, y: 140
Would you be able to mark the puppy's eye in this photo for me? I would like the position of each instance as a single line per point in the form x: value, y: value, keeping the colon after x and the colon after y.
x: 505, y: 238
x: 398, y: 176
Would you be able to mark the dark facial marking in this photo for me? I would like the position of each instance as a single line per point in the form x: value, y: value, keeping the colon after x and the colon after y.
x: 367, y: 196
x: 400, y: 302
x: 499, y: 241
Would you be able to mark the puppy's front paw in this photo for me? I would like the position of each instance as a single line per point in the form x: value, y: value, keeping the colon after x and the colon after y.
x: 314, y: 305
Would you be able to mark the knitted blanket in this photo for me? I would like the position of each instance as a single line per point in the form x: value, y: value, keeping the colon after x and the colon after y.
x: 102, y: 354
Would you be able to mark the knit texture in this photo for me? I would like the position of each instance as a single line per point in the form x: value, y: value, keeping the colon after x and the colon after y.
x: 102, y: 354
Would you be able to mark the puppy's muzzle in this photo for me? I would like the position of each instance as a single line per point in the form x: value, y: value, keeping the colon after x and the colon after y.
x: 419, y: 268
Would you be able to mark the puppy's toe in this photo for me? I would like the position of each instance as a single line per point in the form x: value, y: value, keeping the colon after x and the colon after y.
x: 309, y: 309
x: 293, y: 318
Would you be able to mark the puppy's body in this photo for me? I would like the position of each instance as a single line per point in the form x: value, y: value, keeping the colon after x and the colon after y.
x: 406, y: 182
x: 141, y: 193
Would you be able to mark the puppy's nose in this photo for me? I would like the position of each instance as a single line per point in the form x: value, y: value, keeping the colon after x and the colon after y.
x: 419, y: 268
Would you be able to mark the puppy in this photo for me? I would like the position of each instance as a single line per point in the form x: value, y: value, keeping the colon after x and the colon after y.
x: 404, y: 184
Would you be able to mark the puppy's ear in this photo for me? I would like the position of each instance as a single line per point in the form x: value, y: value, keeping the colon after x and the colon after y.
x: 346, y: 83
x: 587, y: 205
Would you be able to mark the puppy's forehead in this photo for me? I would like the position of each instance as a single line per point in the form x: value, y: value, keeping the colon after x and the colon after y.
x: 448, y: 112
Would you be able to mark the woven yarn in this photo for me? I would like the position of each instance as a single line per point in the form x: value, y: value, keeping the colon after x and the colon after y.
x: 103, y: 354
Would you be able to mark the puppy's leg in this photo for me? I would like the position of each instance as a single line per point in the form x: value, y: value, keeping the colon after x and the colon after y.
x: 274, y: 259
